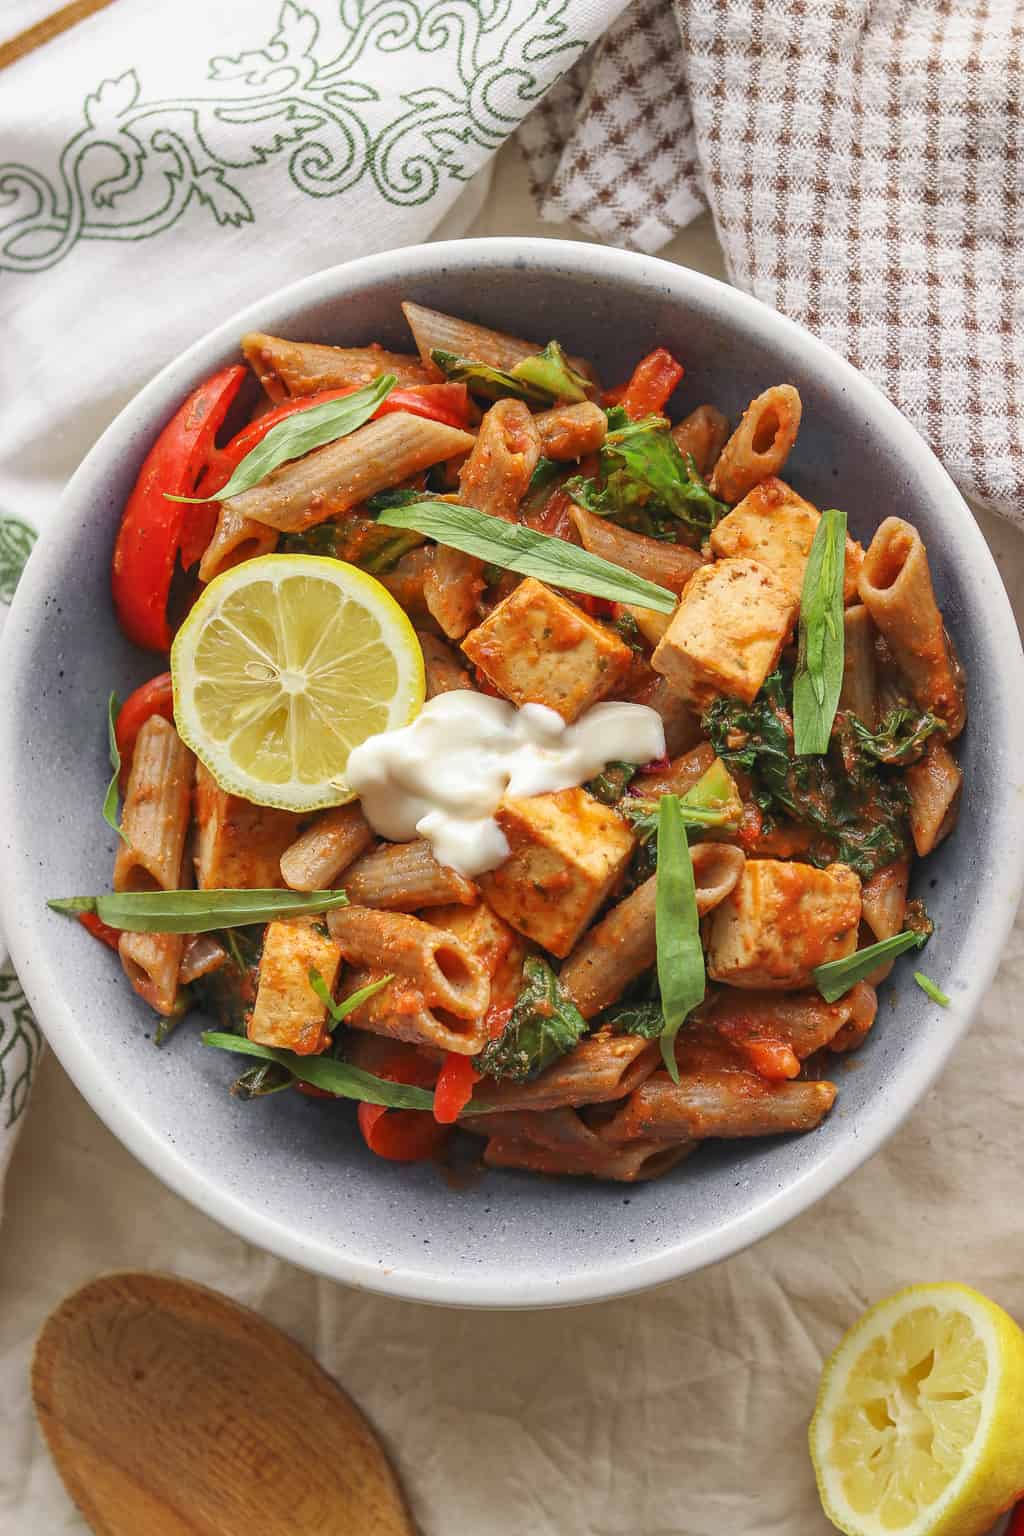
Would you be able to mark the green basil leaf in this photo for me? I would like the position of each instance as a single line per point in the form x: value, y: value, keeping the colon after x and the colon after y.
x: 544, y: 1025
x: 931, y: 990
x: 818, y: 679
x: 197, y: 911
x: 836, y: 978
x: 325, y: 1072
x: 339, y: 1012
x: 681, y: 976
x: 517, y: 548
x: 110, y: 798
x: 552, y: 372
x: 299, y: 434
x: 490, y: 383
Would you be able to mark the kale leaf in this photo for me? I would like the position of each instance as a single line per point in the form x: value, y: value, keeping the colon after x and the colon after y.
x: 356, y: 536
x: 544, y: 1025
x: 646, y: 484
x: 611, y: 784
x: 227, y: 994
x: 640, y: 1018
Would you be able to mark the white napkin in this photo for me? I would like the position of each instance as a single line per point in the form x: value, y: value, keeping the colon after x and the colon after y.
x: 163, y: 165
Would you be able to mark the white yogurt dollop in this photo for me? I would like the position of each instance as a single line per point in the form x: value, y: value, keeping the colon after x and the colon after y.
x: 443, y: 776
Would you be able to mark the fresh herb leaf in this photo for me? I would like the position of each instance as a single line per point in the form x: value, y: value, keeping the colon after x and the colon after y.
x: 545, y: 478
x: 326, y: 1072
x: 627, y: 629
x: 899, y: 739
x: 490, y: 383
x: 196, y: 911
x: 168, y: 1023
x: 228, y: 993
x: 646, y: 483
x: 259, y: 1082
x: 818, y: 679
x: 681, y: 977
x: 545, y: 1024
x: 339, y: 1012
x: 521, y: 549
x: 836, y: 978
x: 931, y: 990
x: 610, y: 785
x: 712, y: 802
x: 299, y: 434
x: 642, y: 1018
x: 110, y: 798
x: 552, y: 372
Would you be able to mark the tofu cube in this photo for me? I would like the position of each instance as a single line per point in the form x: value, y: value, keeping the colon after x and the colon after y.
x: 733, y: 619
x: 238, y: 845
x: 567, y: 852
x: 538, y: 648
x: 780, y: 921
x: 493, y: 941
x: 287, y: 1011
x: 776, y: 527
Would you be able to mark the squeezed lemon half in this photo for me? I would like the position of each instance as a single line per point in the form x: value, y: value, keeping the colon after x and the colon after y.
x: 283, y: 666
x: 919, y: 1425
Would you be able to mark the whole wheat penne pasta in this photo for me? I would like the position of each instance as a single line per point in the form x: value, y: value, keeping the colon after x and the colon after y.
x: 441, y: 991
x: 896, y: 588
x: 325, y: 849
x: 152, y: 963
x: 287, y: 368
x: 859, y: 691
x: 863, y: 1001
x: 504, y: 456
x: 376, y: 456
x: 725, y: 1103
x: 287, y: 1012
x: 157, y: 807
x: 495, y: 943
x: 561, y: 1142
x: 452, y: 583
x: 669, y: 565
x: 432, y: 330
x: 683, y: 773
x: 883, y: 899
x: 406, y: 581
x: 702, y: 434
x: 775, y: 1032
x: 404, y: 877
x: 238, y: 845
x: 934, y: 783
x: 202, y: 955
x: 569, y: 432
x: 622, y: 945
x: 444, y: 670
x: 760, y: 445
x: 603, y: 1066
x: 235, y: 538
x: 681, y: 722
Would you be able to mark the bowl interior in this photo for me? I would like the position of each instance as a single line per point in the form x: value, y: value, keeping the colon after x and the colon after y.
x: 292, y: 1173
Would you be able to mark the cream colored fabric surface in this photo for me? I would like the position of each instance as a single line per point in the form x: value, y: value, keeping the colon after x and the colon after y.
x: 678, y: 1413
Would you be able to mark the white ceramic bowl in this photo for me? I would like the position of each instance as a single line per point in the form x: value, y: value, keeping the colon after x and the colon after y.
x: 291, y: 1174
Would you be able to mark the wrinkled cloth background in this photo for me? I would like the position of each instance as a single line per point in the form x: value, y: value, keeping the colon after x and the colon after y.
x: 682, y: 1412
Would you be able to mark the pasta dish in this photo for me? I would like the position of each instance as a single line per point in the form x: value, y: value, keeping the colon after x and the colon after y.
x: 526, y: 760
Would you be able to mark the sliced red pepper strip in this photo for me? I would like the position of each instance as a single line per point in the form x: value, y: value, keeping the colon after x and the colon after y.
x: 153, y: 698
x: 151, y: 528
x: 99, y: 929
x: 1016, y: 1525
x: 458, y: 1076
x: 654, y: 378
x: 403, y: 1135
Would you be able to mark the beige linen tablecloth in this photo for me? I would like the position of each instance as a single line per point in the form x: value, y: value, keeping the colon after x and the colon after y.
x: 682, y: 1412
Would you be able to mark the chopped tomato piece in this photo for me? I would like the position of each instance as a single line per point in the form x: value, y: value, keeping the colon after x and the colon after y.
x: 654, y: 378
x: 153, y: 698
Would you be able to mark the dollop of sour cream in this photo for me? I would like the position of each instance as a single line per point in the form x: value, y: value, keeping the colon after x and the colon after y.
x: 443, y: 776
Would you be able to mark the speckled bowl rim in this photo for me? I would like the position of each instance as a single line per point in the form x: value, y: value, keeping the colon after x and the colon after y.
x: 29, y: 942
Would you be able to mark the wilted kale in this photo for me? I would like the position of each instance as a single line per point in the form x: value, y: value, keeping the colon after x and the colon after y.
x: 610, y: 785
x: 545, y: 1024
x: 853, y: 799
x: 640, y: 1018
x: 227, y: 994
x: 646, y: 484
x: 358, y: 538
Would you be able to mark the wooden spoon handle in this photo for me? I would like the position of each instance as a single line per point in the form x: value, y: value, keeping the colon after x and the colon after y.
x: 173, y: 1411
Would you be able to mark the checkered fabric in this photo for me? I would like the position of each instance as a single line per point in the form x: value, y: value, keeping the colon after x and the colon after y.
x: 862, y: 161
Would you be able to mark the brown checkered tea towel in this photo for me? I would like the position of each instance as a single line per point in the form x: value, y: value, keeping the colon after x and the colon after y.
x: 864, y: 164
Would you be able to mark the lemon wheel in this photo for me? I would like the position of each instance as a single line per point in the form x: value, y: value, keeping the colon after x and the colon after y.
x: 284, y: 665
x: 919, y: 1426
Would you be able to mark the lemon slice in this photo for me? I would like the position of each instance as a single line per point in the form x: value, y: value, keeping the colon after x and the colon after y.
x: 919, y: 1426
x: 283, y: 666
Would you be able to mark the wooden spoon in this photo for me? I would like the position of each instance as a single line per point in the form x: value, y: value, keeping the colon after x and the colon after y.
x: 171, y: 1411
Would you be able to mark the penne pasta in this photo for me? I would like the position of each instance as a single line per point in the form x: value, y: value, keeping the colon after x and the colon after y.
x: 452, y: 583
x: 760, y: 445
x: 287, y: 1012
x: 444, y: 670
x: 570, y: 432
x: 238, y: 845
x: 560, y: 1142
x: 152, y: 963
x: 776, y: 1032
x: 681, y: 723
x: 288, y: 368
x: 896, y: 588
x: 604, y: 1066
x: 235, y: 538
x: 934, y: 784
x: 406, y: 581
x: 496, y: 945
x: 883, y: 899
x: 403, y: 877
x: 863, y: 1001
x: 726, y: 1103
x: 668, y: 565
x: 497, y: 472
x: 859, y: 691
x: 202, y: 955
x: 324, y: 850
x: 155, y: 816
x: 329, y: 481
x: 432, y: 330
x: 622, y: 945
x: 702, y: 434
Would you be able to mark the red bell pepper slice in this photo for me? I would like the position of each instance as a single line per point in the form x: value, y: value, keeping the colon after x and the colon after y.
x: 1016, y: 1525
x: 99, y: 929
x: 654, y: 378
x: 403, y: 1135
x: 458, y: 1076
x: 153, y: 698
